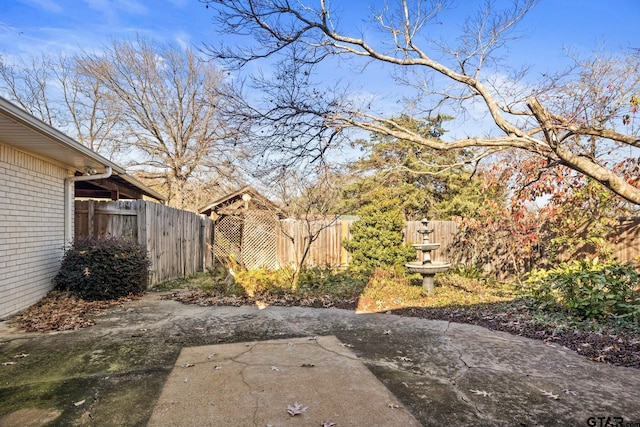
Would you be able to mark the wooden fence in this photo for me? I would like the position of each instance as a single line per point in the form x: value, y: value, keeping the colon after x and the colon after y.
x: 179, y: 243
x: 627, y: 239
x: 327, y: 250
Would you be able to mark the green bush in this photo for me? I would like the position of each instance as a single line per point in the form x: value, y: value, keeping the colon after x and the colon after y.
x: 103, y: 268
x: 588, y: 288
x: 376, y: 239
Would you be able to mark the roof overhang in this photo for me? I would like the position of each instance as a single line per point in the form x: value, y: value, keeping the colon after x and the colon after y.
x: 237, y: 200
x: 25, y: 132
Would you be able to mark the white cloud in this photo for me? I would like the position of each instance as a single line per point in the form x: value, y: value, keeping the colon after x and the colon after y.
x: 46, y: 5
x: 179, y: 3
x: 132, y: 6
x: 111, y: 9
x: 183, y: 39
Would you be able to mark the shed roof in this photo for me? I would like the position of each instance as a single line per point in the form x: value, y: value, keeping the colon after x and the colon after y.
x: 27, y: 133
x: 237, y: 201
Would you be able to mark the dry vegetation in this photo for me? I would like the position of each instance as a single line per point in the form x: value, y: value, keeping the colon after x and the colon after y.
x: 60, y: 311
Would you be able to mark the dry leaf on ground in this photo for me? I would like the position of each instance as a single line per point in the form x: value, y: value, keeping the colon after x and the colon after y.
x: 296, y: 409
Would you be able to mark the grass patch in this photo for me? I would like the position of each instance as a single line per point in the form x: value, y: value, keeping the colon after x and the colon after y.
x: 390, y: 290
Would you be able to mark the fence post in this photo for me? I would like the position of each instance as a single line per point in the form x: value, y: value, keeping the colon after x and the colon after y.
x: 203, y: 261
x: 91, y: 210
x: 344, y: 232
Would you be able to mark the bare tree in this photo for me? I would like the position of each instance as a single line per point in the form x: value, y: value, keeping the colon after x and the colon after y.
x: 171, y: 108
x: 283, y: 117
x: 52, y: 89
x: 309, y: 202
x: 547, y: 119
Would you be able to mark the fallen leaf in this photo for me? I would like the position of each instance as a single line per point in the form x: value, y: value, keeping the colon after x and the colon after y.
x: 59, y: 311
x: 549, y: 394
x: 481, y: 392
x: 80, y: 402
x: 296, y: 409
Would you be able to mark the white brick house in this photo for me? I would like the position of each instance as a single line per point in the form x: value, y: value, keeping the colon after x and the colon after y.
x: 40, y: 168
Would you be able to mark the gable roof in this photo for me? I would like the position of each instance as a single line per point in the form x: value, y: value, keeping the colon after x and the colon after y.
x: 27, y: 133
x: 238, y: 201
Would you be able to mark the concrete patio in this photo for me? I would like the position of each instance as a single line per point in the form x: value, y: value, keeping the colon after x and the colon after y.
x: 158, y: 362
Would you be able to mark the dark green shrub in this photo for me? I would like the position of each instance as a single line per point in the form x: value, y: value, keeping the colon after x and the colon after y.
x: 376, y: 239
x: 103, y: 268
x: 588, y: 288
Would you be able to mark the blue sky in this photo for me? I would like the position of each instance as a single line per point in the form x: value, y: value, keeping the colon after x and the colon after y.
x: 33, y: 26
x: 51, y: 25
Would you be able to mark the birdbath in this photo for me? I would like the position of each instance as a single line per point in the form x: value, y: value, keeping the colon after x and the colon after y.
x: 424, y: 265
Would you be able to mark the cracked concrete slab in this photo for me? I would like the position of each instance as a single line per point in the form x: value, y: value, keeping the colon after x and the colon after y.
x: 442, y: 373
x: 253, y: 384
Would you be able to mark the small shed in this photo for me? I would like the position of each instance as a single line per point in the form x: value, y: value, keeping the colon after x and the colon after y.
x: 246, y: 227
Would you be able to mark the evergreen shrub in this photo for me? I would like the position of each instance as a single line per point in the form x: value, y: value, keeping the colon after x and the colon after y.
x: 377, y: 239
x: 104, y: 269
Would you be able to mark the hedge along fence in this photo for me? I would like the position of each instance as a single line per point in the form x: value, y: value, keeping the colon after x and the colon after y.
x: 179, y: 243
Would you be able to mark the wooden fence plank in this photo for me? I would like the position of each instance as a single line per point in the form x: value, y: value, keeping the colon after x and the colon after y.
x: 173, y: 238
x: 627, y: 240
x: 327, y: 249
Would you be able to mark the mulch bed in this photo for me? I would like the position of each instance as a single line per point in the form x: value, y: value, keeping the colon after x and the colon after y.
x: 615, y: 348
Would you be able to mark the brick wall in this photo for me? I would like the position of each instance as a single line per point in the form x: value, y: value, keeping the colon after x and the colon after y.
x: 31, y: 228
